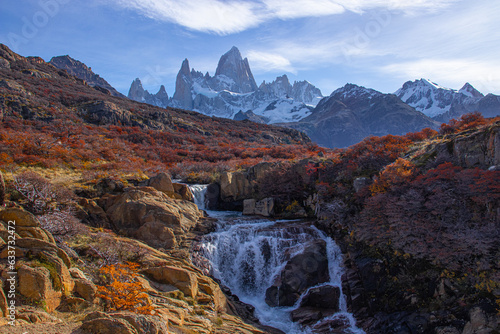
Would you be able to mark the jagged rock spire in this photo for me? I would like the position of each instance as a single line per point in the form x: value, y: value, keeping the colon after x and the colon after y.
x: 237, y: 69
x: 183, y: 85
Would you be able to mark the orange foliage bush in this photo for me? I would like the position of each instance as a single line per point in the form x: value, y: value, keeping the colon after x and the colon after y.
x: 397, y: 173
x: 466, y: 121
x: 121, y: 289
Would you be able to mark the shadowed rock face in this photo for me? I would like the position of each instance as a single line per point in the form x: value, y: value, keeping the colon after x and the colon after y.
x: 301, y: 272
x: 183, y: 85
x: 138, y: 93
x: 352, y: 113
x: 318, y: 303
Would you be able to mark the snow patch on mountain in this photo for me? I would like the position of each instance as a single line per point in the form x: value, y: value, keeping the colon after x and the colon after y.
x: 284, y: 110
x: 434, y: 100
x: 233, y: 90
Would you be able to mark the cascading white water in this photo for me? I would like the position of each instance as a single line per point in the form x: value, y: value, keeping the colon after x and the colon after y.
x: 199, y: 191
x: 247, y: 255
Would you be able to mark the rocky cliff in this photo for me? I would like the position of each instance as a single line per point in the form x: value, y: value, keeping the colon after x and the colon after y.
x: 233, y: 73
x: 82, y: 71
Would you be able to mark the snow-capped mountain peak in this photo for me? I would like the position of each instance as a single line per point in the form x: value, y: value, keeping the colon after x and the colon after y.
x: 434, y: 100
x: 234, y: 74
x: 354, y: 91
x: 427, y: 82
x: 470, y: 91
x: 233, y: 91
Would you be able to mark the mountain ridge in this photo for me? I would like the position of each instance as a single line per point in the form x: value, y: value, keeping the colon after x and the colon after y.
x: 233, y: 89
x: 232, y: 93
x: 353, y: 112
x: 443, y: 104
x: 82, y: 71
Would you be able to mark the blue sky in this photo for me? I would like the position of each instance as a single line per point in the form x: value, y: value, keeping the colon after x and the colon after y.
x: 374, y: 43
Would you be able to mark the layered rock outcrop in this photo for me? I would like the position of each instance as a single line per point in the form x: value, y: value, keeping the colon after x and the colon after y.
x: 184, y: 300
x: 42, y: 267
x: 473, y: 148
x: 150, y: 215
x: 268, y: 189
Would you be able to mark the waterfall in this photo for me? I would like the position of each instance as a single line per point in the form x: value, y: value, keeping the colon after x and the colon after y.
x: 199, y: 191
x: 247, y: 256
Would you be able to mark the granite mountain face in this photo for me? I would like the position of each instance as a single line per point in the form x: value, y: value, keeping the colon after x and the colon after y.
x: 233, y: 91
x: 233, y: 74
x: 443, y: 104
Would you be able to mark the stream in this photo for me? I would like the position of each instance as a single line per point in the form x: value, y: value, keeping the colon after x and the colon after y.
x: 247, y: 254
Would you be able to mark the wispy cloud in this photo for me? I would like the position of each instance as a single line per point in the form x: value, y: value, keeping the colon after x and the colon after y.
x: 284, y: 9
x: 233, y: 16
x: 214, y: 16
x: 268, y: 62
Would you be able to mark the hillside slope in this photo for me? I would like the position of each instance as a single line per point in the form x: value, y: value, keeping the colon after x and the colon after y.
x: 50, y: 118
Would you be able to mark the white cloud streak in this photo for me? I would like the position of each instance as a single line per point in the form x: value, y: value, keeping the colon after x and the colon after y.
x: 214, y: 16
x: 233, y: 16
x: 267, y: 62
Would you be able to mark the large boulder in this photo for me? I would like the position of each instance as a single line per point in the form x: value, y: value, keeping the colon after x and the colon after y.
x: 183, y: 191
x: 184, y: 280
x: 157, y: 235
x: 43, y: 273
x: 319, y: 302
x: 325, y: 297
x: 19, y: 217
x: 151, y: 215
x: 85, y: 289
x: 161, y: 182
x: 263, y: 207
x: 212, y: 196
x: 124, y: 323
x: 234, y: 186
x: 301, y: 272
x: 38, y: 285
